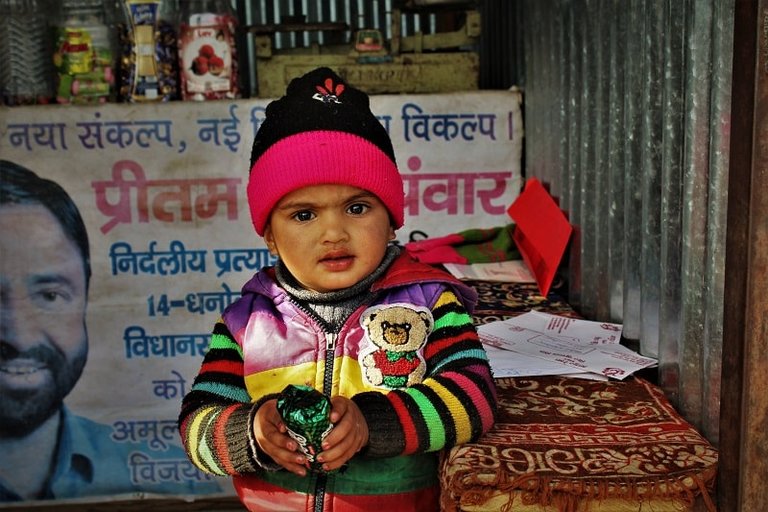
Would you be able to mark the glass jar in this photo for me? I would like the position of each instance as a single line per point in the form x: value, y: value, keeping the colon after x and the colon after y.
x: 207, y: 50
x: 149, y: 65
x: 25, y: 76
x: 83, y: 53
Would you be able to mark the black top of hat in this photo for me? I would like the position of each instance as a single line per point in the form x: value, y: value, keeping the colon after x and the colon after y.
x: 320, y: 100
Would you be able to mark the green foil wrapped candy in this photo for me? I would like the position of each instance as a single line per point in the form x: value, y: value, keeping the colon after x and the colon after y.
x: 307, y: 415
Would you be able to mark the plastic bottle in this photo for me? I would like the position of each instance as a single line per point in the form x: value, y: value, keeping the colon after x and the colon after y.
x: 84, y: 54
x: 25, y: 75
x: 149, y: 64
x: 207, y: 50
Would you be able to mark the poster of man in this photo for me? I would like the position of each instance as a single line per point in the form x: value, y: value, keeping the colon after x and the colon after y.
x: 45, y: 271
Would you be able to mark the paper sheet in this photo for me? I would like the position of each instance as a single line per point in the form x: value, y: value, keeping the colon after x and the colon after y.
x: 545, y: 344
x: 511, y: 271
x: 506, y: 363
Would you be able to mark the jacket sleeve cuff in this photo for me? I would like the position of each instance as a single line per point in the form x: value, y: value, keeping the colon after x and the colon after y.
x: 261, y: 459
x: 385, y: 431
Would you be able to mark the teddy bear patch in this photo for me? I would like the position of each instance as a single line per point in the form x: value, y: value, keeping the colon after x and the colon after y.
x: 396, y: 335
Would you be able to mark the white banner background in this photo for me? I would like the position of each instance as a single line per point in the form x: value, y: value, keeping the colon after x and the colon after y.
x: 460, y: 156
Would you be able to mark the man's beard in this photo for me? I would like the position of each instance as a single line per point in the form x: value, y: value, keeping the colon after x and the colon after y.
x: 23, y: 411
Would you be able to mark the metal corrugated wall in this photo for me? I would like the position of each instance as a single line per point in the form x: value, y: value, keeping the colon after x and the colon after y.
x: 627, y: 106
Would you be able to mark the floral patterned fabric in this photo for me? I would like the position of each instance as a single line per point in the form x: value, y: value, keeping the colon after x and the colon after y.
x: 566, y: 445
x: 500, y: 301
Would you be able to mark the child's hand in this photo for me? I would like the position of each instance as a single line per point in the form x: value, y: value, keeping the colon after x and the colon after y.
x: 271, y: 436
x: 348, y: 436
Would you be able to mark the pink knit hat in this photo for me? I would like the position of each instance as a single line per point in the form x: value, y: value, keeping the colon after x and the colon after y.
x: 321, y: 132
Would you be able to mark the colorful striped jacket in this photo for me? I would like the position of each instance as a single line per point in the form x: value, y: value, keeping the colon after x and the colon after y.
x: 264, y: 341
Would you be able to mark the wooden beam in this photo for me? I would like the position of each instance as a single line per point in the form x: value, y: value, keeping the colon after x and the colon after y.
x: 744, y: 400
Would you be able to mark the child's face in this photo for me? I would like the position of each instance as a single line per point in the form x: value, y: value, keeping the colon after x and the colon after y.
x: 329, y: 236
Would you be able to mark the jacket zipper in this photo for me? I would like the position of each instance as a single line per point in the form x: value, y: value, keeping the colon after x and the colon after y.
x: 322, y: 478
x: 330, y: 349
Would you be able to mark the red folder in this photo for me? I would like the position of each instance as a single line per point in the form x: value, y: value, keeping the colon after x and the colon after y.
x: 541, y: 232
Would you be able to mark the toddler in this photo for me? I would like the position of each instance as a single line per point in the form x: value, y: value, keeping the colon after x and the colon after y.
x: 388, y: 340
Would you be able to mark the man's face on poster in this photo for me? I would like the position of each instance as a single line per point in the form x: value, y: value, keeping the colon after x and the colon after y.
x: 43, y: 337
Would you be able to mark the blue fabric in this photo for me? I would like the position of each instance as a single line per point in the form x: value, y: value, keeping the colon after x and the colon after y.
x: 90, y: 463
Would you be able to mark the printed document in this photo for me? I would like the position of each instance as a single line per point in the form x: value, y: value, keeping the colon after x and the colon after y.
x: 536, y: 343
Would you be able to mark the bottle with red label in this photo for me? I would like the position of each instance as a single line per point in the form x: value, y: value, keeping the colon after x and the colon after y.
x: 83, y: 53
x: 207, y: 50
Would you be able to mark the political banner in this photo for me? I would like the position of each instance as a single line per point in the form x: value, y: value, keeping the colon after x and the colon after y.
x: 161, y: 190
